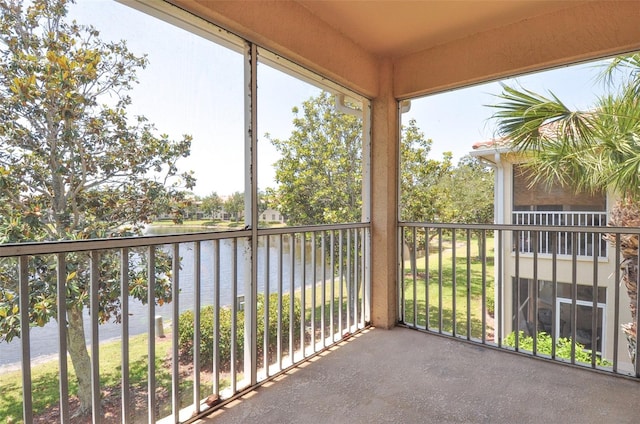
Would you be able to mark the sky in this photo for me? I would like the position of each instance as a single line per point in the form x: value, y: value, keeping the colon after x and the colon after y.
x: 193, y: 86
x: 457, y: 119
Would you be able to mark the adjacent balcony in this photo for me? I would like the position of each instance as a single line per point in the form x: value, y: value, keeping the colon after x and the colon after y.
x: 584, y: 244
x: 297, y: 346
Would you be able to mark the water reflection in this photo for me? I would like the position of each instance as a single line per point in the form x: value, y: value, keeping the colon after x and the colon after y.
x: 44, y: 340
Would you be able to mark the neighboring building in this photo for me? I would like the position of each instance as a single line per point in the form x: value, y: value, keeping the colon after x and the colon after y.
x: 518, y: 201
x: 221, y: 215
x: 271, y: 215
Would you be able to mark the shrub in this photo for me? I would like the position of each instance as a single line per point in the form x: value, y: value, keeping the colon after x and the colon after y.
x: 185, y: 330
x: 544, y: 344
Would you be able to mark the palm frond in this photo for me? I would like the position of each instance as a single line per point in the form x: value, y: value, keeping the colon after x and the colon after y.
x: 528, y: 119
x: 559, y: 141
x: 619, y: 128
x: 568, y: 165
x: 626, y: 66
x: 588, y: 151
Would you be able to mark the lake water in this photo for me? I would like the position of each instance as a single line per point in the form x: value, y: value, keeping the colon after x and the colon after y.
x: 44, y: 340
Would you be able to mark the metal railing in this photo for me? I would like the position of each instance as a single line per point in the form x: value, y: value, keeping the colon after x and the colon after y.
x: 464, y: 281
x: 585, y: 243
x: 235, y: 318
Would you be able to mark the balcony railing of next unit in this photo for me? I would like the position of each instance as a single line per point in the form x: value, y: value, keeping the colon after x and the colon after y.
x: 249, y: 317
x: 460, y: 281
x: 565, y: 242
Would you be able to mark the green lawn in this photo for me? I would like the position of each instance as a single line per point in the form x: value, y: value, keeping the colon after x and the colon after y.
x: 45, y: 375
x: 338, y: 312
x: 46, y: 382
x: 467, y: 301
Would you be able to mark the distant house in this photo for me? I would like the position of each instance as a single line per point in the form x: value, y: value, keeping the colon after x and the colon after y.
x: 519, y: 202
x: 271, y: 215
x: 221, y: 215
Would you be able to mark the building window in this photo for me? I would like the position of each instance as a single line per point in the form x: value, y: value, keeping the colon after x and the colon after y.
x: 563, y: 321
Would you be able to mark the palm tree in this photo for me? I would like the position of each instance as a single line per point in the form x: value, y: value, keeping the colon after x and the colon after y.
x: 592, y: 150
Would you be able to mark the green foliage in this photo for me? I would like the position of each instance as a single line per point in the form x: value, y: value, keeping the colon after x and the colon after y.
x: 319, y: 172
x: 437, y: 191
x: 75, y: 165
x: 544, y: 344
x: 421, y: 198
x: 71, y: 166
x: 234, y: 205
x: 185, y: 330
x: 491, y: 305
x: 268, y: 199
x: 464, y: 205
x: 211, y: 204
x: 591, y: 150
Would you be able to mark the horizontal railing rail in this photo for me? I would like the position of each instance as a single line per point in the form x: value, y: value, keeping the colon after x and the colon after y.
x: 572, y: 218
x: 465, y: 281
x: 311, y: 288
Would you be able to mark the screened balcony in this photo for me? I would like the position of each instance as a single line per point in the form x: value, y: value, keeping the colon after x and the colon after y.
x: 299, y: 345
x: 391, y: 321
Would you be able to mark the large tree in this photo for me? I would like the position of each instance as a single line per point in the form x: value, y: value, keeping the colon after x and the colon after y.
x: 470, y: 206
x: 433, y: 190
x: 319, y: 173
x: 593, y: 150
x: 75, y: 165
x: 461, y: 205
x: 211, y: 204
x: 423, y: 196
x: 234, y: 205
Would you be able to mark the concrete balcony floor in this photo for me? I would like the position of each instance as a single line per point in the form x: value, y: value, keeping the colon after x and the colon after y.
x: 404, y: 376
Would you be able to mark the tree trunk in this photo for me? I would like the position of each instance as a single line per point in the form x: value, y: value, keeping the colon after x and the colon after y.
x: 627, y: 214
x: 481, y: 252
x: 79, y: 357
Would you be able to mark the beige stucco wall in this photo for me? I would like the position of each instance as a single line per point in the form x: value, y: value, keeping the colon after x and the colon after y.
x: 584, y: 269
x: 578, y: 33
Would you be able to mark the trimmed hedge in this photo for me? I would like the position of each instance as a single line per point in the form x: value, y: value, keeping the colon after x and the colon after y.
x: 185, y: 331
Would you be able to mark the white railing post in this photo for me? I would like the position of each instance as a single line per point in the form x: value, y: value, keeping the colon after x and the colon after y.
x: 250, y: 258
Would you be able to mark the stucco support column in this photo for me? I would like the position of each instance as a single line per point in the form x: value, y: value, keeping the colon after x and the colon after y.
x: 384, y: 187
